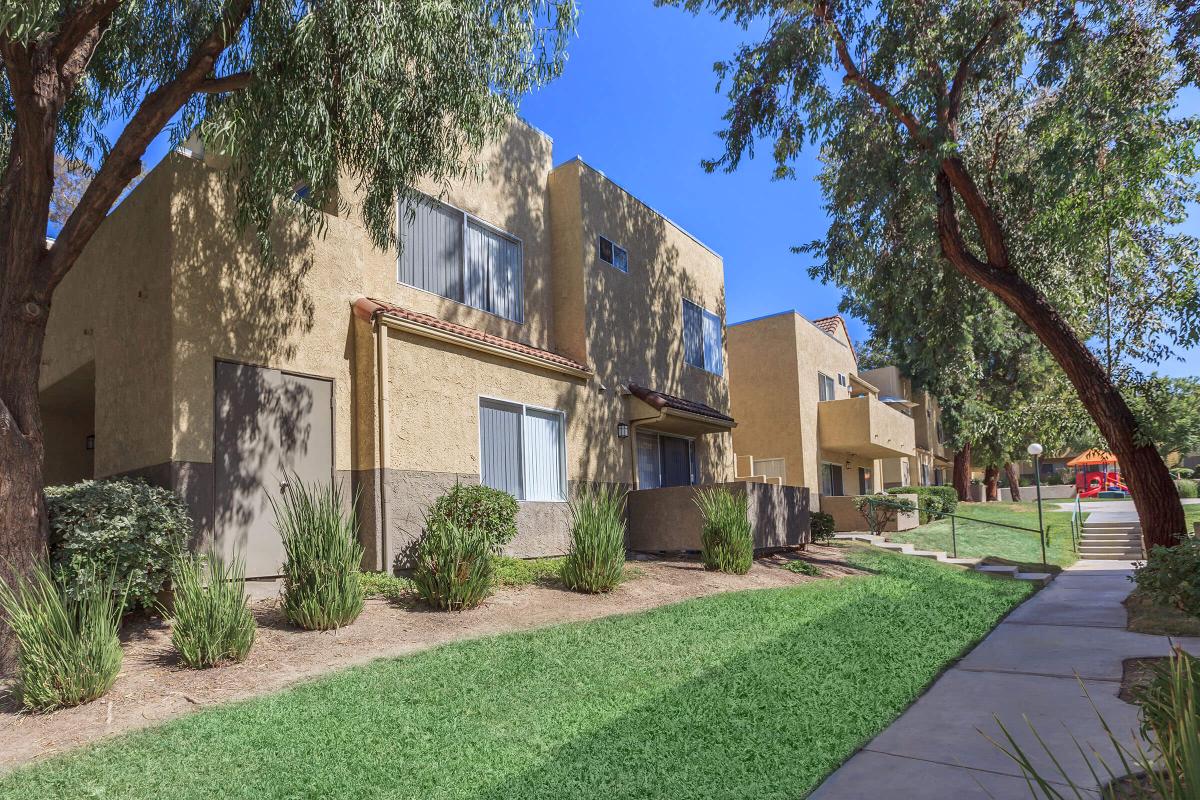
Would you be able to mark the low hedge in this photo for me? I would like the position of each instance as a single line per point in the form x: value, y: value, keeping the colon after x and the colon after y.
x: 933, y: 501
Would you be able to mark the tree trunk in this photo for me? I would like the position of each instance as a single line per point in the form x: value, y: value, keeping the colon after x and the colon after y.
x: 962, y: 473
x: 1154, y: 493
x: 991, y: 483
x: 1014, y: 480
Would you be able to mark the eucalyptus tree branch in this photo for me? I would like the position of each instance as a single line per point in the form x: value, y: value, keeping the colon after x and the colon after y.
x: 854, y: 75
x: 123, y: 162
x: 958, y: 177
x: 80, y: 26
x: 950, y: 236
x: 227, y: 83
x: 963, y: 73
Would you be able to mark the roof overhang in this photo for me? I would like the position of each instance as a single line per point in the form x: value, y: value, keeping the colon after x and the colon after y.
x: 467, y: 338
x: 670, y: 414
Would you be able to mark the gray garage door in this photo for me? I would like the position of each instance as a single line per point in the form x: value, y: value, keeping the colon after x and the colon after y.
x: 269, y: 425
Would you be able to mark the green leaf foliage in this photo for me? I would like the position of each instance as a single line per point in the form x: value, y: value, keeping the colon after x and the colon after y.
x: 727, y: 538
x: 454, y: 569
x: 491, y: 513
x: 1171, y: 576
x: 821, y: 525
x: 933, y: 501
x: 211, y: 623
x: 68, y: 648
x: 126, y: 530
x: 321, y: 578
x: 596, y: 560
x: 374, y: 96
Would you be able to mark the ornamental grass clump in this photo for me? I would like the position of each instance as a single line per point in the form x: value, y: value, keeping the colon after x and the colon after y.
x: 321, y: 588
x: 596, y: 560
x: 454, y: 569
x: 68, y: 650
x: 212, y: 621
x: 727, y: 540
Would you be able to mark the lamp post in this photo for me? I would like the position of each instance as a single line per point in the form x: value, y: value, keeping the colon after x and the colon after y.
x: 1035, y: 450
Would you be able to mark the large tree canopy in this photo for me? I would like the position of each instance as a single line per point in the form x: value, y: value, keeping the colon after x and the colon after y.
x: 290, y: 92
x: 1021, y: 152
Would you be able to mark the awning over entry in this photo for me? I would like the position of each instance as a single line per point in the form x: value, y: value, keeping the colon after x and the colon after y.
x: 670, y: 414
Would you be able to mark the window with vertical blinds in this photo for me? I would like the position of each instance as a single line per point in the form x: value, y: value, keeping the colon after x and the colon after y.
x: 702, y: 345
x: 449, y: 252
x: 522, y: 451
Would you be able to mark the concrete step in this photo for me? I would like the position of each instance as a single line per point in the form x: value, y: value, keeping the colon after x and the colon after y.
x: 1012, y: 573
x: 1111, y: 526
x: 1130, y: 556
x: 1099, y: 552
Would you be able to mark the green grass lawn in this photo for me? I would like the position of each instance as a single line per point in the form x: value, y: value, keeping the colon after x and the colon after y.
x: 751, y: 694
x: 978, y: 539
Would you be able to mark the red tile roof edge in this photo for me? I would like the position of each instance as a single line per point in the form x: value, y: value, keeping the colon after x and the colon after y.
x: 368, y: 308
x: 660, y: 400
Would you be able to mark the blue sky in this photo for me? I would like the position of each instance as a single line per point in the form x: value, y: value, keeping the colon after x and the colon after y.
x: 637, y: 102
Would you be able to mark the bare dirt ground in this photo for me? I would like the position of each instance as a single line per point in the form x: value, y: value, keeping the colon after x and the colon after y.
x: 153, y: 687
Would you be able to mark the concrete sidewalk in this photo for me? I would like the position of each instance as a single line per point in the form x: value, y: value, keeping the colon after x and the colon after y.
x: 1026, y: 667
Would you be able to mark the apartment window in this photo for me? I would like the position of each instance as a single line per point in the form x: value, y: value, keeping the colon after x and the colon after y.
x: 831, y: 480
x: 665, y: 461
x: 612, y: 253
x: 841, y: 379
x: 924, y: 474
x: 863, y: 477
x: 702, y: 338
x: 448, y: 252
x: 825, y: 388
x: 522, y: 450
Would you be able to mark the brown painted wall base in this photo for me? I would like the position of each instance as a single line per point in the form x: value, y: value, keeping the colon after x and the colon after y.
x: 668, y: 519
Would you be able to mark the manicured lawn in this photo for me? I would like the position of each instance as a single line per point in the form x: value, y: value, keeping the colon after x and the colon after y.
x: 978, y: 539
x: 751, y: 694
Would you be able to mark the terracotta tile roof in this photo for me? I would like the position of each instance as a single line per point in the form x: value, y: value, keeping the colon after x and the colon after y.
x: 828, y: 324
x: 370, y: 307
x: 661, y: 400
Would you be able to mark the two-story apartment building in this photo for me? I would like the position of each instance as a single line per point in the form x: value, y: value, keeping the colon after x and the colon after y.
x: 805, y: 414
x: 927, y: 465
x: 539, y: 328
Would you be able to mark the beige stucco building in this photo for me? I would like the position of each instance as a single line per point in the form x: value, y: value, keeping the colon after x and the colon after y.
x: 928, y: 465
x: 807, y: 416
x: 540, y: 328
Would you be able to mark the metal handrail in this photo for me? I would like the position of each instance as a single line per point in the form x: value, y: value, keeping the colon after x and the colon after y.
x: 953, y: 522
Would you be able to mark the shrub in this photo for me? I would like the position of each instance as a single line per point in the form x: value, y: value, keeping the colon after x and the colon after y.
x: 1171, y: 576
x: 212, y: 622
x: 385, y: 586
x: 727, y: 540
x: 67, y: 643
x: 454, y: 567
x: 1187, y: 488
x: 880, y: 511
x: 1183, y: 472
x: 489, y: 511
x: 932, y: 501
x: 515, y: 572
x: 803, y: 568
x: 821, y: 526
x: 126, y: 529
x: 321, y: 578
x: 596, y: 560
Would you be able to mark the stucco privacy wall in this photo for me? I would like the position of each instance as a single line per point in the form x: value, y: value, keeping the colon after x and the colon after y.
x: 111, y: 319
x: 669, y: 520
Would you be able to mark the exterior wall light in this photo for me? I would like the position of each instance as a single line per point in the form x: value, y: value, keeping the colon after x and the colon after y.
x: 89, y: 442
x: 622, y: 430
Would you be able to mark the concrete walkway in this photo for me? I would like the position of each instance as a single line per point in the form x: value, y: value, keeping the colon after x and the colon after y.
x: 1026, y: 667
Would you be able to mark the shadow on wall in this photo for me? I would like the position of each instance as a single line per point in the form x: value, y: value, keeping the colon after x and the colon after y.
x: 232, y: 303
x: 633, y: 325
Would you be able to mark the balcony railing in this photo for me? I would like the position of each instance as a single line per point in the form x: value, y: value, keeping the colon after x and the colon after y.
x: 864, y: 426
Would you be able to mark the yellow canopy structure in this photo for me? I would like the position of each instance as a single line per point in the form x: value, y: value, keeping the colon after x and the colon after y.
x: 1093, y: 456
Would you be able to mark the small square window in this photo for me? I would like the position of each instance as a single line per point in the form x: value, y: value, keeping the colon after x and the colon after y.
x: 620, y: 258
x: 841, y: 379
x: 611, y: 253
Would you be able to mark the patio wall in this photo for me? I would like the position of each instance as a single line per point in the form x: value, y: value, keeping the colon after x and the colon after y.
x: 847, y: 518
x: 668, y: 519
x: 1048, y: 493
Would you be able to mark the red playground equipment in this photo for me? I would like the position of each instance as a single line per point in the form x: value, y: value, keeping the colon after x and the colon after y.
x: 1097, y: 471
